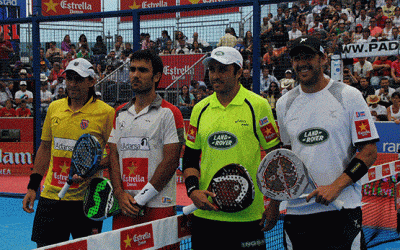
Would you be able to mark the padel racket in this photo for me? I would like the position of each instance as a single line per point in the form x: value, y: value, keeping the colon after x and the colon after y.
x: 85, y: 160
x: 283, y: 176
x: 233, y: 189
x: 99, y: 202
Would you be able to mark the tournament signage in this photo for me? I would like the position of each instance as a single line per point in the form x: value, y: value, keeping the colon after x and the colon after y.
x: 68, y: 7
x: 206, y: 12
x: 385, y: 48
x: 145, y: 4
x: 16, y: 158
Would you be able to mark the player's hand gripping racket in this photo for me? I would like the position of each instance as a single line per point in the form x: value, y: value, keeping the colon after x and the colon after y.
x: 99, y: 202
x: 283, y: 176
x: 85, y: 160
x: 233, y: 189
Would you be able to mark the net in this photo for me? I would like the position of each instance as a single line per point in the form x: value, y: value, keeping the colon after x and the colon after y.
x: 379, y: 221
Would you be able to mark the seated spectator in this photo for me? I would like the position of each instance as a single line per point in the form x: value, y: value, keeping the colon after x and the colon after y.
x: 375, y: 30
x: 181, y: 48
x: 3, y: 94
x: 186, y: 102
x: 195, y: 48
x: 280, y: 36
x: 23, y: 74
x: 266, y: 29
x: 128, y: 49
x: 54, y: 54
x: 8, y: 110
x: 385, y: 92
x: 365, y: 88
x: 168, y: 49
x: 382, y: 67
x: 66, y: 45
x: 99, y: 51
x: 240, y: 46
x: 396, y: 17
x: 44, y: 69
x: 380, y: 18
x: 228, y: 39
x: 23, y: 111
x: 357, y: 34
x: 395, y: 71
x: 363, y: 19
x: 66, y: 60
x: 395, y: 34
x: 294, y: 32
x: 246, y: 79
x: 286, y: 85
x: 195, y: 38
x: 387, y: 30
x: 55, y: 72
x: 84, y: 52
x: 81, y: 41
x: 60, y: 94
x: 111, y: 60
x: 146, y: 41
x: 393, y: 111
x: 44, y: 59
x: 362, y: 68
x: 24, y: 94
x: 366, y: 37
x: 161, y: 42
x: 58, y: 83
x: 121, y: 45
x: 266, y: 78
x: 388, y: 9
x: 378, y: 110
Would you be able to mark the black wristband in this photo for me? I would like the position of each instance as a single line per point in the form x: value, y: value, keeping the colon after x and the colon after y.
x: 34, y: 181
x: 191, y: 183
x: 356, y: 169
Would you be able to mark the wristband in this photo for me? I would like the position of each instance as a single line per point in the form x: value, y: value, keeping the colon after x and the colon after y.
x: 146, y: 194
x: 192, y: 184
x: 356, y: 169
x: 34, y: 181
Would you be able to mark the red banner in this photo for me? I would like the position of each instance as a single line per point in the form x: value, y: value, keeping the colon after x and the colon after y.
x: 24, y: 125
x: 68, y: 7
x: 16, y: 158
x: 206, y: 12
x: 176, y: 65
x: 145, y: 4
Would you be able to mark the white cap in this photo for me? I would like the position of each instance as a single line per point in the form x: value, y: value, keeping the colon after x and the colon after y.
x: 43, y: 77
x: 23, y: 71
x: 225, y: 55
x: 21, y: 83
x: 81, y: 66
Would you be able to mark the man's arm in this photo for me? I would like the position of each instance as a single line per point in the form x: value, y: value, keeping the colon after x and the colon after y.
x: 40, y: 167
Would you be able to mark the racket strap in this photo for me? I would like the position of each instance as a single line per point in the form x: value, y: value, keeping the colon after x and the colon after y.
x: 146, y: 194
x: 356, y: 169
x: 34, y: 181
x: 192, y: 184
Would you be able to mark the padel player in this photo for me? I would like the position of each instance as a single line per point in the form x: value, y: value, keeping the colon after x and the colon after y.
x: 324, y: 122
x: 66, y: 120
x: 226, y: 127
x: 145, y: 145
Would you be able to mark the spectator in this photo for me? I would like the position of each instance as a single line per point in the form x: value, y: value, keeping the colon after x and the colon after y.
x: 99, y: 50
x: 388, y: 9
x: 286, y: 85
x: 246, y: 79
x: 55, y: 72
x: 365, y: 88
x: 240, y: 46
x: 84, y: 52
x: 375, y: 30
x: 380, y: 18
x: 54, y: 54
x: 128, y: 49
x: 186, y: 102
x: 8, y: 110
x: 45, y: 98
x: 272, y: 95
x: 81, y: 41
x: 366, y: 37
x: 66, y: 45
x: 363, y: 19
x: 395, y: 34
x: 111, y: 60
x: 23, y: 74
x: 23, y: 111
x: 279, y: 16
x: 362, y: 68
x: 357, y: 34
x: 5, y: 50
x: 24, y: 94
x: 181, y: 48
x: 266, y: 78
x: 121, y: 44
x: 3, y: 94
x: 228, y: 39
x: 58, y: 83
x: 294, y: 32
x: 288, y: 19
x: 118, y: 49
x: 393, y: 112
x: 266, y: 29
x: 162, y: 41
x: 195, y: 48
x: 44, y: 59
x: 60, y: 94
x: 376, y: 109
x: 168, y: 49
x: 395, y: 71
x: 387, y: 30
x: 146, y: 41
x: 202, y: 43
x: 66, y: 60
x: 280, y: 36
x: 319, y: 7
x: 385, y: 92
x: 396, y: 17
x: 382, y: 67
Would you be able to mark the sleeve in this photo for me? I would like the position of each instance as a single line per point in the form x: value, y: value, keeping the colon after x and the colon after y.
x: 192, y: 138
x: 113, y: 138
x: 362, y: 125
x: 108, y: 126
x: 280, y: 112
x: 174, y: 128
x: 267, y: 129
x: 46, y: 129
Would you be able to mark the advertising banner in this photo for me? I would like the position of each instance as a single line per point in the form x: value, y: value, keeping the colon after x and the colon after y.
x: 16, y: 158
x: 145, y: 4
x: 176, y: 65
x: 389, y: 137
x: 69, y: 7
x: 206, y: 12
x: 371, y: 49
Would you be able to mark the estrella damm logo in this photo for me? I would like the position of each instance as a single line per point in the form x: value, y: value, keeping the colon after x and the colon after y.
x: 313, y: 136
x: 222, y: 140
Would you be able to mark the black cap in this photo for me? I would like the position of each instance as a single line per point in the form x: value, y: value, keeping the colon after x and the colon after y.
x: 303, y: 43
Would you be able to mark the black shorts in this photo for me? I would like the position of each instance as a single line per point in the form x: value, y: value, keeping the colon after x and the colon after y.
x: 56, y: 220
x: 328, y: 230
x: 211, y: 234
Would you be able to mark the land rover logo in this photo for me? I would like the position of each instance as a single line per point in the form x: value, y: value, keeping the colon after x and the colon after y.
x: 219, y: 53
x: 222, y: 140
x: 313, y: 136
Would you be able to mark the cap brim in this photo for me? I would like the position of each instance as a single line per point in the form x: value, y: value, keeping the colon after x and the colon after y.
x: 77, y: 70
x: 296, y: 50
x: 207, y: 61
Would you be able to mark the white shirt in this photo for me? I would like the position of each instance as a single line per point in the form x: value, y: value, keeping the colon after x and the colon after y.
x: 45, y: 95
x: 23, y: 95
x: 140, y: 139
x: 322, y: 129
x: 362, y: 70
x: 379, y: 109
x: 385, y: 98
x: 294, y: 34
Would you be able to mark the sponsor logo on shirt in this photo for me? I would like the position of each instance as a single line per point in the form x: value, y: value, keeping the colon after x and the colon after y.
x: 269, y: 132
x: 84, y: 124
x: 313, y: 136
x: 134, y: 173
x: 360, y: 114
x: 222, y: 140
x: 134, y: 144
x: 192, y: 133
x: 64, y: 144
x: 363, y: 129
x: 264, y: 121
x: 137, y: 238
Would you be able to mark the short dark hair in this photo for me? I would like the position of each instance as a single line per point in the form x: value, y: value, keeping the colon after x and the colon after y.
x: 148, y: 55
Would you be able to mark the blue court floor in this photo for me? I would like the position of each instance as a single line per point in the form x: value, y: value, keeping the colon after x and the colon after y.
x: 16, y: 226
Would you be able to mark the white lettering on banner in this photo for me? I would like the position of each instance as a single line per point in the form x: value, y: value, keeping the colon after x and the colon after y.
x: 15, y: 158
x: 385, y: 48
x: 5, y: 171
x: 390, y: 147
x: 154, y: 5
x: 9, y: 2
x: 75, y: 6
x: 175, y: 72
x: 141, y: 238
x: 64, y: 144
x: 60, y: 178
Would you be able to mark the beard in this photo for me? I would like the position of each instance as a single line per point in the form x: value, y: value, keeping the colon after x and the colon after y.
x: 142, y: 91
x: 315, y: 73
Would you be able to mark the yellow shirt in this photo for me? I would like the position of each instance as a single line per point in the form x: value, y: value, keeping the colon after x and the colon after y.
x: 63, y: 127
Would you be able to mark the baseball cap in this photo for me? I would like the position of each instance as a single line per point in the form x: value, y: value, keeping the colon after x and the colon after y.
x: 225, y: 55
x: 302, y: 43
x: 81, y: 66
x: 23, y: 71
x: 43, y: 78
x: 22, y: 83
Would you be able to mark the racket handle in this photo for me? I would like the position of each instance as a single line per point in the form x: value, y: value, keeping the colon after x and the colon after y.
x: 64, y: 190
x: 189, y: 209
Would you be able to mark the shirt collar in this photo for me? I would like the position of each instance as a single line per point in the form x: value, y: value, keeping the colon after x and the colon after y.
x: 84, y: 109
x: 237, y: 100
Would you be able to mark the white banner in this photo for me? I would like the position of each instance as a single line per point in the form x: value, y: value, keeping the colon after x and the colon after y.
x: 386, y: 48
x: 378, y: 172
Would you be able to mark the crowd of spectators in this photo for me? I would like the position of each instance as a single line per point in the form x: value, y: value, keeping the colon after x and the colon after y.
x: 335, y: 22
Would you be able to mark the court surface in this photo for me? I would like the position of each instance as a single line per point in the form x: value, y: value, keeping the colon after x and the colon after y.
x: 16, y: 225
